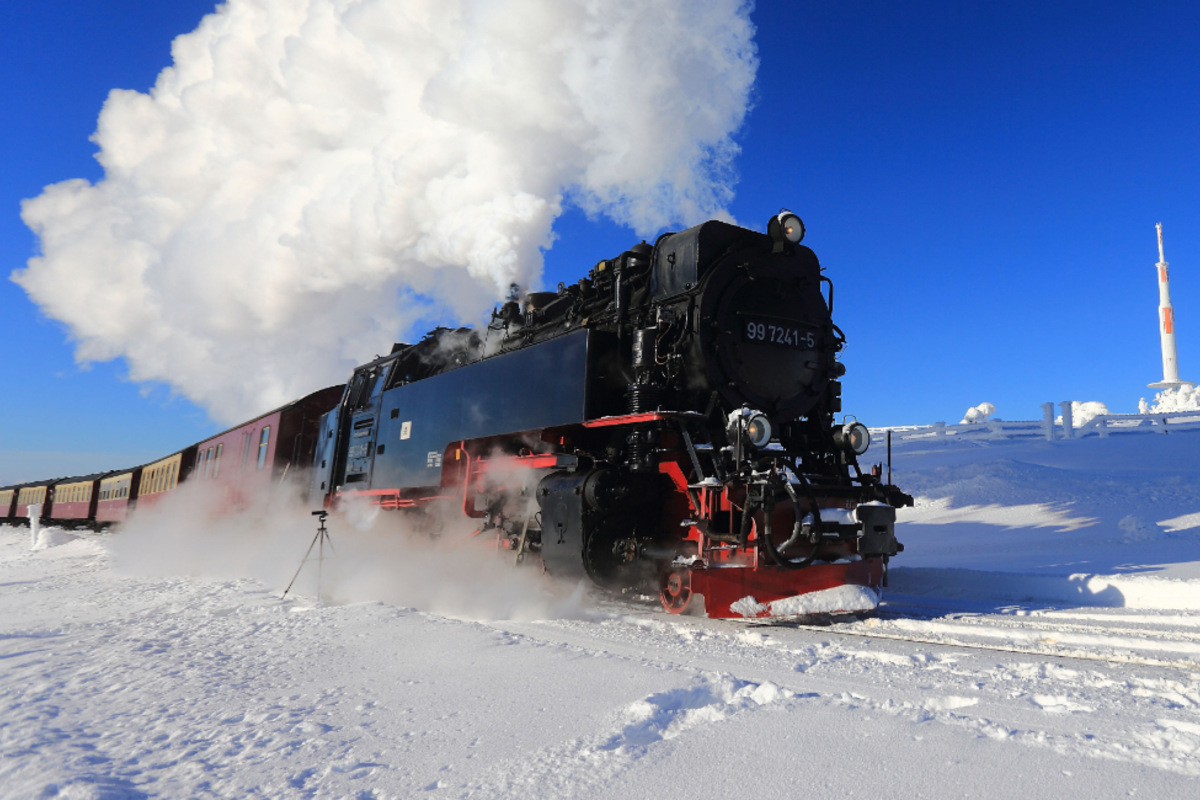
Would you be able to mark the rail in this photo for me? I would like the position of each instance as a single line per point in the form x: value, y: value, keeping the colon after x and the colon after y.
x: 1048, y: 428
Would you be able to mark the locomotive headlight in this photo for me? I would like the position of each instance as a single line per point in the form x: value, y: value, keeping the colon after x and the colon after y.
x: 758, y: 430
x: 752, y: 427
x: 785, y: 229
x: 791, y: 227
x: 853, y: 437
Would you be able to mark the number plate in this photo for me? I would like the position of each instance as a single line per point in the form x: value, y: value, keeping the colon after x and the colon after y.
x: 780, y: 332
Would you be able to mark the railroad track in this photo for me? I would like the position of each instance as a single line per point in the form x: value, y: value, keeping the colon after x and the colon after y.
x: 1162, y: 640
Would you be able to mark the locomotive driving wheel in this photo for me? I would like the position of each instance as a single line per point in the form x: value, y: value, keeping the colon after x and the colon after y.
x: 675, y: 588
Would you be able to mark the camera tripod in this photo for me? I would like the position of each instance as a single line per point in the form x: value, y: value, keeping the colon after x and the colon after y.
x: 322, y: 537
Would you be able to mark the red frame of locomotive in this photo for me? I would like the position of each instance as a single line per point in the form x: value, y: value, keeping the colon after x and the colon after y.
x: 734, y: 580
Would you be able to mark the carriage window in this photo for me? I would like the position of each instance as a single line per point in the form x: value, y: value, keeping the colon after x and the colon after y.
x: 217, y: 461
x: 262, y: 447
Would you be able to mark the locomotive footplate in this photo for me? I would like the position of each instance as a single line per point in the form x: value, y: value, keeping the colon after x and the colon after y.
x: 767, y: 591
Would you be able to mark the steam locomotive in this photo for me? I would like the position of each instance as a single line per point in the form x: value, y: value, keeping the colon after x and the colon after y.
x: 670, y: 421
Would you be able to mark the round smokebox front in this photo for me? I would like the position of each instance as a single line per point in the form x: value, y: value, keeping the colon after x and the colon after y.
x: 764, y: 334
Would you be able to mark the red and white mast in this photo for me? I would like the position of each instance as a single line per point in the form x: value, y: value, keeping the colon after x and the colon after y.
x: 1166, y: 325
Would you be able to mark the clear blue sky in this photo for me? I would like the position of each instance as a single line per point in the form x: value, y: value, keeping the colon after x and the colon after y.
x: 980, y: 180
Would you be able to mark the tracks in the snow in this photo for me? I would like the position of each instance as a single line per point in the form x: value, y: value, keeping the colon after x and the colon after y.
x: 1159, y: 640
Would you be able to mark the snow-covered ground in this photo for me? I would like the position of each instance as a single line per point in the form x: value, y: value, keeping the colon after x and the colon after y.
x: 1040, y: 639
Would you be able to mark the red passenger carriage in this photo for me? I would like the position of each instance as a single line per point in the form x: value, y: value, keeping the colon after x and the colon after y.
x: 118, y: 494
x: 244, y: 462
x: 73, y: 500
x: 31, y: 494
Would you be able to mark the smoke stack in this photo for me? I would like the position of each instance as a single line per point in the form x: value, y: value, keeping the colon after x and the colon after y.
x: 1166, y: 325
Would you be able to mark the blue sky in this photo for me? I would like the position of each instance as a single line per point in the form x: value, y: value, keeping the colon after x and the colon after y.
x: 981, y: 182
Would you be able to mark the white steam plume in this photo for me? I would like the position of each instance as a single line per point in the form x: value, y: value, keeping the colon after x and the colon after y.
x: 370, y: 555
x: 312, y: 177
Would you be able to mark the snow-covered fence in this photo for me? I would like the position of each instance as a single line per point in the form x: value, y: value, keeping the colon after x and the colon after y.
x: 1048, y: 427
x: 1104, y: 424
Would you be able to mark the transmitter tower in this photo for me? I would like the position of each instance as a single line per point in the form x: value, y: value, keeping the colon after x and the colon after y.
x: 1166, y: 325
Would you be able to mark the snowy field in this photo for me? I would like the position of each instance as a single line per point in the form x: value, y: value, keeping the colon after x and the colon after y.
x: 1040, y: 639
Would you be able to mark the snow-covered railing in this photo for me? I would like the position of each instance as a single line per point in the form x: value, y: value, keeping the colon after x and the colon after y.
x: 1048, y: 427
x: 1105, y: 424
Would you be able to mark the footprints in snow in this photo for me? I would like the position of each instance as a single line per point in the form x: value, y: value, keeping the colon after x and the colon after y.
x: 578, y: 766
x: 668, y: 714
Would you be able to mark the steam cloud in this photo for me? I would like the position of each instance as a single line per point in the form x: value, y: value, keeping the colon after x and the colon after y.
x: 371, y: 556
x: 314, y: 178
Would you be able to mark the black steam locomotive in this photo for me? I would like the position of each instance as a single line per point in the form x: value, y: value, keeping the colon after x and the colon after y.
x: 671, y: 419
